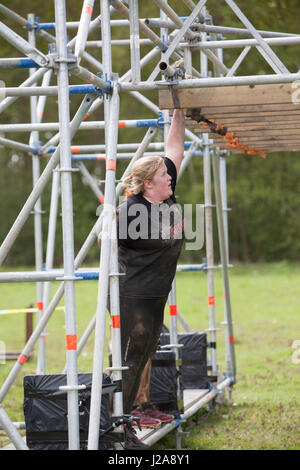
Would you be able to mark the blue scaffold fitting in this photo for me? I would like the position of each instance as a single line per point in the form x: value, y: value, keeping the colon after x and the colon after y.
x: 27, y: 64
x: 36, y: 24
x: 46, y: 26
x: 83, y: 89
x: 149, y: 122
x: 108, y: 88
x: 87, y: 276
x: 160, y: 120
x: 35, y: 150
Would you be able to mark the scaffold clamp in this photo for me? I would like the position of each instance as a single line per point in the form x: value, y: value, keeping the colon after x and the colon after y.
x: 54, y: 60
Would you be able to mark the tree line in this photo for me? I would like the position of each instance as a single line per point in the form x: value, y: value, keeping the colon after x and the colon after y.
x: 263, y: 194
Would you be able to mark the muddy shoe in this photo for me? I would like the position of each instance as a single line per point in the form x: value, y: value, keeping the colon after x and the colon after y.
x: 153, y: 412
x: 145, y: 421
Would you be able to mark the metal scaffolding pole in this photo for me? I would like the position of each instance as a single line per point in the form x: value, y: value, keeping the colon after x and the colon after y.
x: 134, y: 40
x: 42, y: 181
x: 37, y: 210
x: 83, y: 28
x: 231, y: 366
x: 91, y: 182
x: 263, y: 48
x: 22, y: 45
x: 108, y: 214
x: 72, y: 386
x: 55, y: 193
x: 119, y: 188
x: 27, y: 83
x: 175, y: 347
x: 18, y: 145
x: 106, y: 224
x: 209, y: 253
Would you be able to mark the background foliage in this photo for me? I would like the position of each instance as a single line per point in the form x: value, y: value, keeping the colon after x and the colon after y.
x: 263, y: 194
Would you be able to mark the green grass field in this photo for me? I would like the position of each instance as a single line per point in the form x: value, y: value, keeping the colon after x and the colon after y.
x: 265, y: 305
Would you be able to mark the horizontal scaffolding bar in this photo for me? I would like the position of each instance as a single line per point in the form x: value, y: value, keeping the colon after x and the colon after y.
x: 18, y: 63
x: 212, y: 82
x: 166, y: 429
x: 54, y: 126
x: 207, y: 398
x: 48, y: 90
x: 159, y: 85
x: 129, y: 146
x: 157, y: 23
x: 24, y: 310
x: 124, y: 155
x: 82, y: 274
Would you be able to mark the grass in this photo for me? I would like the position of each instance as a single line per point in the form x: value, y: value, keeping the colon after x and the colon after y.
x: 265, y: 302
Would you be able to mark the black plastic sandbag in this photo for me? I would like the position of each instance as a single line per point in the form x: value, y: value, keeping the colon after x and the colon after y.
x: 45, y: 410
x: 163, y: 381
x: 193, y: 357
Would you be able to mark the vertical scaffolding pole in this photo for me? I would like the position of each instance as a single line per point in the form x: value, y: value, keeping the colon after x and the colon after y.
x: 93, y: 436
x: 209, y: 231
x: 55, y: 191
x: 83, y: 28
x: 67, y: 222
x: 4, y: 419
x: 174, y: 344
x: 52, y: 218
x: 209, y: 252
x: 231, y: 368
x: 225, y: 209
x: 37, y: 211
x: 223, y: 189
x: 134, y: 40
x: 115, y: 321
x: 164, y: 40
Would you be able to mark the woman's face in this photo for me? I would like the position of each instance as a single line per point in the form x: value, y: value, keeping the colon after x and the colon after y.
x: 161, y: 184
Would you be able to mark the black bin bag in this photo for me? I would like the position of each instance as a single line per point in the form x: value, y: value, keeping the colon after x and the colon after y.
x: 46, y: 411
x: 193, y: 355
x: 163, y: 382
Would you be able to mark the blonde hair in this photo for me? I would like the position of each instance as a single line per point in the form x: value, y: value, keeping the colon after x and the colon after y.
x: 142, y: 170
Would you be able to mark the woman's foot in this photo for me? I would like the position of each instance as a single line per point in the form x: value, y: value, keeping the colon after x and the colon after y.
x: 151, y: 411
x: 145, y: 420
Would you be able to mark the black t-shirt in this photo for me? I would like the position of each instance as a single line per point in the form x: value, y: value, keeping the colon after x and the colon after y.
x: 150, y: 238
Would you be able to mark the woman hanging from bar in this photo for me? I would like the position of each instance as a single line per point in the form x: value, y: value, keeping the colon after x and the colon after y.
x: 150, y: 236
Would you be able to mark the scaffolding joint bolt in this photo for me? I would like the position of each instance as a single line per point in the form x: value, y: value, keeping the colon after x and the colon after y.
x: 54, y: 59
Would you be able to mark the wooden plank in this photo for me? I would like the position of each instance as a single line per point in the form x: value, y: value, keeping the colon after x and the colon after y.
x: 268, y: 130
x: 251, y: 109
x: 229, y: 96
x: 269, y: 150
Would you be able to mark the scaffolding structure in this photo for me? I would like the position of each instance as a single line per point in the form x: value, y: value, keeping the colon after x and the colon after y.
x: 176, y: 42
